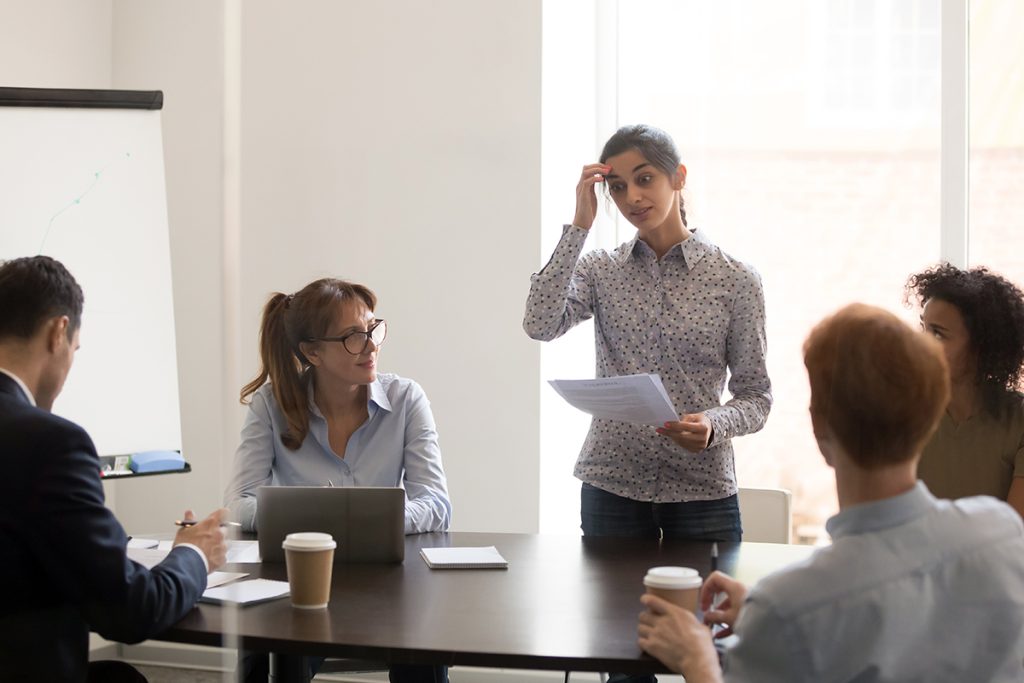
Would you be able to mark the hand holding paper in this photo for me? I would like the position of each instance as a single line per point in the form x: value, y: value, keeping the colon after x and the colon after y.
x: 629, y: 398
x: 692, y: 432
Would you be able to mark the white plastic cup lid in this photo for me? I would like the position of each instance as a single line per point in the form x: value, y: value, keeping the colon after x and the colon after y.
x: 672, y: 578
x: 309, y: 540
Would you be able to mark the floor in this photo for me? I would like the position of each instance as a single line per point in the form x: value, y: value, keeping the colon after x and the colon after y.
x: 163, y: 674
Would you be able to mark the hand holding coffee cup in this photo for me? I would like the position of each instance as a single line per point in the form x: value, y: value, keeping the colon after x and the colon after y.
x: 309, y: 557
x: 678, y: 585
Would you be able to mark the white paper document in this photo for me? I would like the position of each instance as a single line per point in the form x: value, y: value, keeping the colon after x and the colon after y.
x: 243, y: 551
x: 238, y: 551
x: 629, y: 398
x: 220, y: 578
x: 147, y: 557
x: 246, y: 592
x: 151, y: 557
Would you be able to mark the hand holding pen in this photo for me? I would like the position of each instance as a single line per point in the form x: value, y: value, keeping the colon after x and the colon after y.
x: 207, y: 535
x: 724, y: 612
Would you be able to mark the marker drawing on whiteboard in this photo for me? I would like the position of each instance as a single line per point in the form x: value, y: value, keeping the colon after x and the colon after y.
x: 75, y: 202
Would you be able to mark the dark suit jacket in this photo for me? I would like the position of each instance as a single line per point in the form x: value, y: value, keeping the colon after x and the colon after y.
x: 63, y: 568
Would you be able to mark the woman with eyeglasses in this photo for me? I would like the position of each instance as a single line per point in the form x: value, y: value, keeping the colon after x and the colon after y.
x: 326, y: 417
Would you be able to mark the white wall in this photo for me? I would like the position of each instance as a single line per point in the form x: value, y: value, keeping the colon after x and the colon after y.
x: 55, y: 43
x: 397, y: 144
x: 177, y: 47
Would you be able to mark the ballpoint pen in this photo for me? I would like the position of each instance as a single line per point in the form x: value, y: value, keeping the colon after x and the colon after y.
x: 193, y: 522
x: 717, y: 598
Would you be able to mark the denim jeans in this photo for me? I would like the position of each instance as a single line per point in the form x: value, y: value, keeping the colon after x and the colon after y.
x: 606, y: 514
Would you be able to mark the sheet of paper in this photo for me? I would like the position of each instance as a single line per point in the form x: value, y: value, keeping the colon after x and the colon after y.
x: 143, y: 543
x: 246, y: 592
x: 238, y: 551
x: 151, y: 557
x: 220, y: 578
x: 147, y: 557
x: 243, y: 551
x: 629, y: 398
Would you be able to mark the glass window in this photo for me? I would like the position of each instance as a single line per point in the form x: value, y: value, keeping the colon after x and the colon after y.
x: 996, y: 76
x: 811, y: 136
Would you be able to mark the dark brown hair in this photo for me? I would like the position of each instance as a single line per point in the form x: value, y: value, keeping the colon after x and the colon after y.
x: 653, y: 143
x: 993, y: 311
x: 289, y: 320
x: 34, y: 289
x: 878, y: 384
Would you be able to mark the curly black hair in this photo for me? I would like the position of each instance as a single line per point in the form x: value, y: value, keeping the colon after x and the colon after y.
x: 993, y: 312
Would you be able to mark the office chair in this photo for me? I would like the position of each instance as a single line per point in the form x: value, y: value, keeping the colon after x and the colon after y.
x: 766, y: 515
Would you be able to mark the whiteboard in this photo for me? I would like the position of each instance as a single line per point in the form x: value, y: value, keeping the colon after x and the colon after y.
x: 86, y: 186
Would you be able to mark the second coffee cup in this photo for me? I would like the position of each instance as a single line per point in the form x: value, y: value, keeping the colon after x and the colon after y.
x: 678, y: 585
x: 309, y: 557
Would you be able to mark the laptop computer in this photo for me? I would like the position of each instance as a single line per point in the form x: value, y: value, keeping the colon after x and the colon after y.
x: 368, y: 523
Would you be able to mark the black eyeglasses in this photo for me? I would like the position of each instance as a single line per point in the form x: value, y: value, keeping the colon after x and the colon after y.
x: 356, y: 342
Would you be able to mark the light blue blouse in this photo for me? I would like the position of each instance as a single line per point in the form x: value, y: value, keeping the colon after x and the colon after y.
x: 396, y: 446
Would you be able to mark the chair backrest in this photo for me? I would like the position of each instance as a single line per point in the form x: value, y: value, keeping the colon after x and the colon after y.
x: 766, y: 515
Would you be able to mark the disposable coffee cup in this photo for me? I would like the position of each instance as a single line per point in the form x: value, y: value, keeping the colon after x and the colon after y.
x: 309, y: 557
x: 678, y: 585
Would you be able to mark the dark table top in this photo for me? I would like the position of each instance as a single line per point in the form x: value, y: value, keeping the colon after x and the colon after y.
x: 564, y: 603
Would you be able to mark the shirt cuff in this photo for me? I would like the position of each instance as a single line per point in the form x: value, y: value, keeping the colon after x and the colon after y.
x: 716, y: 427
x: 202, y: 555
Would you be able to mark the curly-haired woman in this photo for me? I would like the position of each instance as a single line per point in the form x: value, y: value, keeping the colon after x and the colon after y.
x: 978, y: 317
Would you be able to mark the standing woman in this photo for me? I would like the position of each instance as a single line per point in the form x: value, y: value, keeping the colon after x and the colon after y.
x: 669, y: 302
x: 978, y: 317
x: 326, y: 417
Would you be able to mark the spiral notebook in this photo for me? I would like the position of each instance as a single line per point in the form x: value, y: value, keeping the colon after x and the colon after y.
x: 463, y: 558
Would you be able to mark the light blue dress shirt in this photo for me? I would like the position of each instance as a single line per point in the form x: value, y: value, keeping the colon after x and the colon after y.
x: 912, y: 589
x: 396, y: 446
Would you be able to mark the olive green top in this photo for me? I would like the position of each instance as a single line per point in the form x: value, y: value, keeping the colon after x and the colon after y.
x: 979, y: 456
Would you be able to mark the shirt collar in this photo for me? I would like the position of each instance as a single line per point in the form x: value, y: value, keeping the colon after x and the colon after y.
x: 376, y: 397
x: 21, y: 384
x: 692, y: 249
x: 882, y: 514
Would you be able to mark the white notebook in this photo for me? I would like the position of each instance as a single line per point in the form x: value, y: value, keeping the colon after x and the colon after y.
x: 463, y: 558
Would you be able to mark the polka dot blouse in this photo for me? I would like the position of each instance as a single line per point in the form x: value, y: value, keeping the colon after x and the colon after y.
x: 694, y: 317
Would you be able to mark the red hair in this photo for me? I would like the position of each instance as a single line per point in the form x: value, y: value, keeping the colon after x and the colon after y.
x: 878, y: 384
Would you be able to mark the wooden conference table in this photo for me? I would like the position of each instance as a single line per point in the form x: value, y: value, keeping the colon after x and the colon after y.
x: 565, y: 603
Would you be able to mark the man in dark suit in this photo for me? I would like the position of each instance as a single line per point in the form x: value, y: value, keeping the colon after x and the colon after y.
x: 64, y: 569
